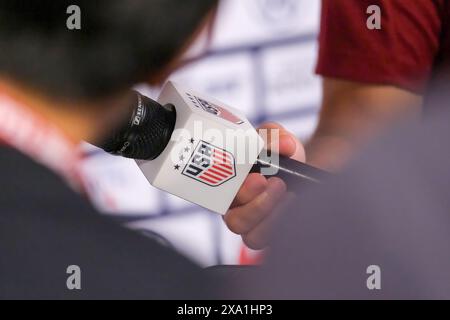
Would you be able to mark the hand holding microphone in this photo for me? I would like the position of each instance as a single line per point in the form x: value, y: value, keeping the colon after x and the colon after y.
x: 179, y: 146
x: 260, y: 198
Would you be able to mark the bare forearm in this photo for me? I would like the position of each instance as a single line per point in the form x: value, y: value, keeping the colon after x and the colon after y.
x: 352, y: 115
x: 328, y: 152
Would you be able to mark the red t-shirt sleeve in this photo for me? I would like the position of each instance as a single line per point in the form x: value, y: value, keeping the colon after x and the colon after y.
x: 402, y: 53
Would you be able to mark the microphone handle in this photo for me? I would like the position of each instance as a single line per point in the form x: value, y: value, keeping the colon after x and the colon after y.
x: 292, y: 172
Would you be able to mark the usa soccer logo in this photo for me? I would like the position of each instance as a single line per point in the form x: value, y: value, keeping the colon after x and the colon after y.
x: 210, y: 165
x: 214, y: 109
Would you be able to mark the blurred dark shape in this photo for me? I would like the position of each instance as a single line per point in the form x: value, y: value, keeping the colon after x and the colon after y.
x: 391, y: 208
x: 46, y: 227
x: 120, y: 43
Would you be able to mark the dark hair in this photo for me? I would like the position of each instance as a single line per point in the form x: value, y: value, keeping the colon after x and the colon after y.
x: 121, y: 42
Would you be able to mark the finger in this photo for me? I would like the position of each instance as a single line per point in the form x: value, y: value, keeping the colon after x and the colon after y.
x: 271, y: 125
x: 300, y: 153
x: 253, y: 185
x: 269, y: 128
x: 259, y: 237
x: 242, y: 219
x: 286, y: 145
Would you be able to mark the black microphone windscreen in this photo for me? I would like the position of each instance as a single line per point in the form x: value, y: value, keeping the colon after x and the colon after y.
x: 146, y: 132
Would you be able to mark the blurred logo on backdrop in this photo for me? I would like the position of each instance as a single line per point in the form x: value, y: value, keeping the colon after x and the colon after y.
x: 276, y: 13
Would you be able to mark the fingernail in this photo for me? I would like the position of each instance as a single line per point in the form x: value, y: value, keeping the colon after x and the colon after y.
x: 288, y: 141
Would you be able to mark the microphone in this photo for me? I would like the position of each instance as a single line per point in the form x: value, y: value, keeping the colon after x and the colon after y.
x: 146, y: 132
x: 176, y: 143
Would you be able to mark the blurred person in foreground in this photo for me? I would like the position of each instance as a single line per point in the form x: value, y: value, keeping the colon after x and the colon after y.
x: 57, y: 88
x: 372, y: 80
x: 380, y: 230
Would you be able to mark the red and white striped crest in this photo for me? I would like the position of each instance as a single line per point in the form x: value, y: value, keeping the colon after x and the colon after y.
x: 210, y: 165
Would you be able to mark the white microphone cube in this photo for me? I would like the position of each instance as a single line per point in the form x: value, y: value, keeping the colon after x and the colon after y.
x: 211, y: 151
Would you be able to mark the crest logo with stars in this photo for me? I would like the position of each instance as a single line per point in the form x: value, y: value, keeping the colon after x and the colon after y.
x: 206, y: 163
